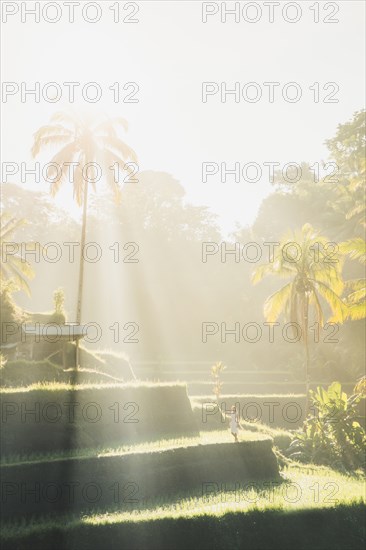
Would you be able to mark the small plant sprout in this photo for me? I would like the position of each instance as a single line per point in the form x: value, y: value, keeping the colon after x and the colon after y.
x: 216, y: 371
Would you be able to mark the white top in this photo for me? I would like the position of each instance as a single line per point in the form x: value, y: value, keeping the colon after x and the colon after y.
x: 233, y: 423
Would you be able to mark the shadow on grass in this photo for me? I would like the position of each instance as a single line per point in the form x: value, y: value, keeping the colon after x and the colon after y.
x: 340, y: 528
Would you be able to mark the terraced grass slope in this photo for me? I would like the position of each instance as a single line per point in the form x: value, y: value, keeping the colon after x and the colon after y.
x: 93, y: 481
x: 51, y: 417
x: 41, y: 487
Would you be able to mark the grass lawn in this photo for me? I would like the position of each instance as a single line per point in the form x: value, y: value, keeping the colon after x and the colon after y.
x: 309, y: 507
x: 219, y: 436
x: 314, y: 507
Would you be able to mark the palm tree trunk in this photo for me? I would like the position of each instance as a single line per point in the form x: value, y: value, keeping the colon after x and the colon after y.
x: 307, y: 379
x: 307, y: 359
x: 81, y: 266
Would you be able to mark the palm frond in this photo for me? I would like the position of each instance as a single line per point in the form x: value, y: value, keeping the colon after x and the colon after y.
x: 117, y: 146
x: 276, y: 303
x: 49, y: 141
x: 357, y: 312
x: 338, y: 307
x: 10, y: 227
x: 355, y: 249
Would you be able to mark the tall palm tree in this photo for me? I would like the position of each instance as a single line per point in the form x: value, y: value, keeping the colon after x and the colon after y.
x: 14, y: 269
x: 313, y: 279
x: 83, y: 140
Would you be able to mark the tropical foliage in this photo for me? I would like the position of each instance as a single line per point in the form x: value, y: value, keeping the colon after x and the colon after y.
x: 348, y: 149
x: 14, y: 268
x: 332, y: 435
x: 355, y: 289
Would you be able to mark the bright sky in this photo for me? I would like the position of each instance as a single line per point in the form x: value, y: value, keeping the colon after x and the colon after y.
x: 169, y: 53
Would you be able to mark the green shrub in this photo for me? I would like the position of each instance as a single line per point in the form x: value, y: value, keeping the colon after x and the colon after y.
x: 332, y: 435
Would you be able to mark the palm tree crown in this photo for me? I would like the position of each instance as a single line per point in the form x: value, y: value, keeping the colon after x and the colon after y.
x: 315, y: 274
x: 83, y: 141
